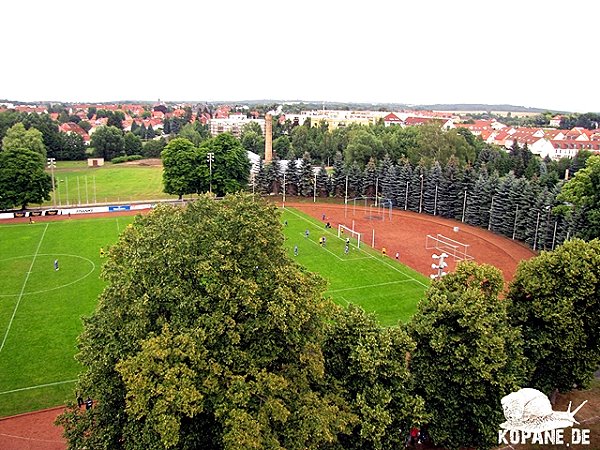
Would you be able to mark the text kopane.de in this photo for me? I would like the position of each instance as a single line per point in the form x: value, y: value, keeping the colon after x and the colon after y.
x: 559, y: 436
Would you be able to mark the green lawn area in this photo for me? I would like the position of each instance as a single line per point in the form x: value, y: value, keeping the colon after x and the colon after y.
x: 78, y: 184
x: 41, y: 309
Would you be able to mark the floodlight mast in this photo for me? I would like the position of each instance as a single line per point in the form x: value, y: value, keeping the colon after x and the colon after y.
x: 210, y: 157
x: 439, y: 267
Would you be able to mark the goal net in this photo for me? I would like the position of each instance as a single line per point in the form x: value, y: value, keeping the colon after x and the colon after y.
x: 345, y: 232
x: 458, y: 250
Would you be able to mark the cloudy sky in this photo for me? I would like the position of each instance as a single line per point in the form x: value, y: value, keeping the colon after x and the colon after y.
x: 527, y: 52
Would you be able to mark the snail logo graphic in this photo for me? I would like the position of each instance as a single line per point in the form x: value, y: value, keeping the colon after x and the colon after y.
x: 530, y: 419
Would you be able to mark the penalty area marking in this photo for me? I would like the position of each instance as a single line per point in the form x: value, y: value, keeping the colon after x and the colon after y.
x: 369, y: 256
x: 23, y: 288
x: 56, y: 287
x: 39, y: 386
x: 368, y: 286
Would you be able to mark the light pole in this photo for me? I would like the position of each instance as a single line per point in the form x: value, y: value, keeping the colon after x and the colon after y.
x: 315, y: 189
x: 210, y: 157
x: 284, y: 189
x: 52, y: 165
x: 491, y: 214
x: 439, y: 267
x: 421, y: 198
x: 346, y: 199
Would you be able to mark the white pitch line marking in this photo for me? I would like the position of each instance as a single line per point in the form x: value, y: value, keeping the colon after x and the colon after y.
x: 23, y: 289
x: 38, y: 386
x: 367, y: 286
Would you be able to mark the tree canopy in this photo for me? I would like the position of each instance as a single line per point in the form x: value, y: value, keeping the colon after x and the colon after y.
x: 18, y: 137
x: 23, y: 179
x: 555, y: 302
x: 180, y: 167
x: 467, y: 357
x: 108, y: 142
x: 582, y: 194
x: 230, y: 168
x: 208, y: 335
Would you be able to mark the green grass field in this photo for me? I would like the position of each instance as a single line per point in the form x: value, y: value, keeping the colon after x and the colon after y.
x: 363, y: 277
x: 78, y: 184
x: 41, y: 309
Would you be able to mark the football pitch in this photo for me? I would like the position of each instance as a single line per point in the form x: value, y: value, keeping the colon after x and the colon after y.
x: 364, y: 277
x: 41, y: 308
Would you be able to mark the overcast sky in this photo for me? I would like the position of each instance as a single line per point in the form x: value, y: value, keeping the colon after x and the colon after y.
x: 527, y: 52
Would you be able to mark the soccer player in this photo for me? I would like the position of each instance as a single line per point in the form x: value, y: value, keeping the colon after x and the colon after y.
x: 306, y: 233
x: 56, y: 264
x: 295, y: 250
x: 397, y: 255
x: 383, y: 251
x: 101, y: 252
x: 346, y: 248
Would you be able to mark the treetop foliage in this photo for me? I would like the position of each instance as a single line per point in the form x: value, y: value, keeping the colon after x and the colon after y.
x: 208, y: 335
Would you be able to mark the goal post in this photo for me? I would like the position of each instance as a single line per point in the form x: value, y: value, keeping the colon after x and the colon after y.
x: 342, y: 229
x: 458, y: 250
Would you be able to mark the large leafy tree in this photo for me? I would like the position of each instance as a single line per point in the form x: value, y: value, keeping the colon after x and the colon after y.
x: 369, y: 365
x: 72, y: 148
x: 208, y: 335
x: 22, y: 178
x: 362, y: 146
x: 18, y: 137
x: 555, y: 302
x: 132, y: 144
x: 582, y: 194
x: 230, y: 167
x: 108, y: 142
x: 181, y: 162
x: 467, y: 356
x: 49, y: 130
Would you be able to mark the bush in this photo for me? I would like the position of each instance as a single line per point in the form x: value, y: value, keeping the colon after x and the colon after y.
x: 122, y: 159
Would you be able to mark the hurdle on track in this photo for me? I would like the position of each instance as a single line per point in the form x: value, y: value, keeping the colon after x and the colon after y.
x: 458, y: 250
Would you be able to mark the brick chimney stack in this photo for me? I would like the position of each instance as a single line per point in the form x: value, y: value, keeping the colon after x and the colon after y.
x: 268, y: 138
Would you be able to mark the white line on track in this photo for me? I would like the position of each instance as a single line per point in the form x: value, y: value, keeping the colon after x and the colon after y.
x: 38, y: 386
x: 23, y: 288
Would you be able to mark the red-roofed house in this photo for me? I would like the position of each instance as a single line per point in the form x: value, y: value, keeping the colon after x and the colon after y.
x: 392, y: 119
x: 555, y: 121
x: 72, y: 127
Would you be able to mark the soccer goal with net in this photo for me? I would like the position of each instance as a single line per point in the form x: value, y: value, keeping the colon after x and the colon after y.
x: 344, y: 232
x: 458, y: 250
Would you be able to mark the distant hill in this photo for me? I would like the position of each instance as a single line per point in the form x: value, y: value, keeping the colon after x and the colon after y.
x: 315, y: 104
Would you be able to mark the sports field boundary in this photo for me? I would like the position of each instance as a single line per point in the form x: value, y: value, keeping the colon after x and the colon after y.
x: 23, y: 288
x: 39, y: 386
